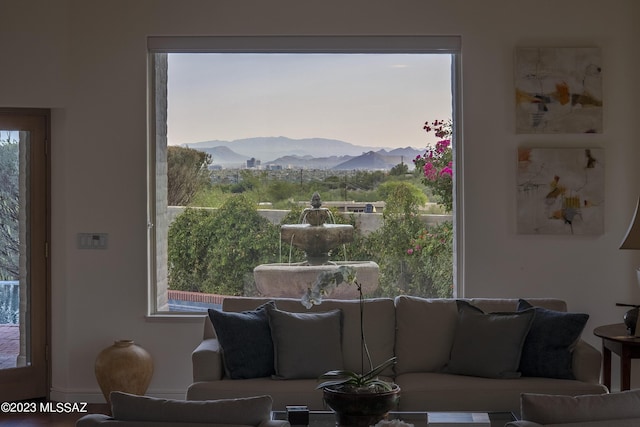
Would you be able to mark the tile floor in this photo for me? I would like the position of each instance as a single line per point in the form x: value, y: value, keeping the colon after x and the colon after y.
x: 9, y: 345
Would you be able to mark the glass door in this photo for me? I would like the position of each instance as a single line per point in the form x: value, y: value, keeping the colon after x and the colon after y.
x: 24, y: 272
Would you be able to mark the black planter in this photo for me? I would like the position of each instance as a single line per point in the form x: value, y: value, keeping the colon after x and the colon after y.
x: 361, y: 409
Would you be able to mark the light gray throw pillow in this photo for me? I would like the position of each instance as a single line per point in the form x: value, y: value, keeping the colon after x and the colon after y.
x: 306, y: 345
x: 488, y: 344
x: 555, y: 409
x: 246, y: 411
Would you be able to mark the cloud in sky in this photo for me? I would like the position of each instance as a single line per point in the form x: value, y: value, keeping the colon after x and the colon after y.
x: 366, y: 99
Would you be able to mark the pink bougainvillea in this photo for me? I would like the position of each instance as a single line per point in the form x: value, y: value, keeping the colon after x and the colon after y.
x: 437, y: 162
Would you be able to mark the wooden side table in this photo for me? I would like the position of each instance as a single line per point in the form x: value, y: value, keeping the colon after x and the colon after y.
x: 616, y: 339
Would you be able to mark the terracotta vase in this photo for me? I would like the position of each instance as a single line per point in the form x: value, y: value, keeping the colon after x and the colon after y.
x: 124, y: 366
x: 361, y: 409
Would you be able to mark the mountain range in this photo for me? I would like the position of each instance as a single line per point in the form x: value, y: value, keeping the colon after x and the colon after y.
x: 307, y: 153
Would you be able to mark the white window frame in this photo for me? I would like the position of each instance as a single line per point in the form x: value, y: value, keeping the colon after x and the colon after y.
x: 157, y: 133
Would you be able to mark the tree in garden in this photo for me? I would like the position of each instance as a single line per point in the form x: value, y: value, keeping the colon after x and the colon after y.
x: 399, y: 170
x: 280, y: 191
x: 431, y: 250
x: 190, y: 236
x: 215, y: 251
x: 430, y: 258
x: 187, y: 173
x: 388, y: 243
x: 403, y: 199
x: 9, y: 210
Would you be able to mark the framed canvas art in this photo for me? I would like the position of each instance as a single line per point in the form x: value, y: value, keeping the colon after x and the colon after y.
x: 558, y: 90
x: 560, y: 191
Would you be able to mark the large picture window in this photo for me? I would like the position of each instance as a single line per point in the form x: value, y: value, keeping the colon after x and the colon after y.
x: 247, y: 130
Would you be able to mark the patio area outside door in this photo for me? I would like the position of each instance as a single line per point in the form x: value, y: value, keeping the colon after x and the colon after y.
x: 24, y: 259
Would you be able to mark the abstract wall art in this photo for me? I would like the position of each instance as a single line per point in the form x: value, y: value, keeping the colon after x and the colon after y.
x: 560, y: 191
x: 558, y: 90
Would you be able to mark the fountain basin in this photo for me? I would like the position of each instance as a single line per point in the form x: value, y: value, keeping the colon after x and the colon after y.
x: 293, y: 280
x: 316, y: 240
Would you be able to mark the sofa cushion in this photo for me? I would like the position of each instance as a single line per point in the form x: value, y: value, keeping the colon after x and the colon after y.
x: 556, y: 409
x: 424, y: 333
x: 439, y: 391
x: 547, y: 350
x: 379, y: 325
x: 488, y: 344
x: 247, y: 411
x: 306, y: 345
x: 245, y: 338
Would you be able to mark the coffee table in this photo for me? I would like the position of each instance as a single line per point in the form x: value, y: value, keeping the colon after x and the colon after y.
x: 417, y: 418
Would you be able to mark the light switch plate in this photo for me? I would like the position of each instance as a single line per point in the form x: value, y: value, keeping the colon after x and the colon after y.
x: 92, y: 240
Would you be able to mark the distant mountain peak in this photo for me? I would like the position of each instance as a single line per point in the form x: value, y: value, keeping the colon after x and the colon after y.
x: 303, y: 152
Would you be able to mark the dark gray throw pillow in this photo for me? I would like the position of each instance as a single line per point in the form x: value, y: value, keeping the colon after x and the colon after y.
x: 548, y: 349
x: 306, y: 345
x: 488, y: 344
x: 245, y: 338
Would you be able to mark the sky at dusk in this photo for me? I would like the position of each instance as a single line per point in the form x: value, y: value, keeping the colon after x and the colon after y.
x: 379, y: 100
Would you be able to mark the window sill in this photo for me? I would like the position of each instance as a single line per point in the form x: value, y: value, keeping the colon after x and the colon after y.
x: 175, y: 317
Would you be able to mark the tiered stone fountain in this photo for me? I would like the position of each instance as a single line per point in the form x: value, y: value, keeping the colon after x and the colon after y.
x: 316, y: 237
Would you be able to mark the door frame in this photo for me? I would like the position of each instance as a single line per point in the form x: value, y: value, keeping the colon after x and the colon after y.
x: 34, y: 381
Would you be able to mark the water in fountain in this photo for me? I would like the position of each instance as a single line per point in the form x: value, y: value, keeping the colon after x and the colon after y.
x: 316, y: 237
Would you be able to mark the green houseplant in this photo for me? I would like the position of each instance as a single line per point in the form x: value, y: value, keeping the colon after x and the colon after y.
x: 358, y: 398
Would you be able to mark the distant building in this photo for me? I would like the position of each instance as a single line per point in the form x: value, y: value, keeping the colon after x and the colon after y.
x: 252, y: 163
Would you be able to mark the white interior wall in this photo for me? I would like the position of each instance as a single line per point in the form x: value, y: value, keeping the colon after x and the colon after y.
x: 86, y: 59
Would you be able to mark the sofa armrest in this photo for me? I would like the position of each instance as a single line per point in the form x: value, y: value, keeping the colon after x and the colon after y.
x: 91, y: 420
x: 275, y: 423
x: 587, y: 362
x: 207, y: 361
x: 522, y: 423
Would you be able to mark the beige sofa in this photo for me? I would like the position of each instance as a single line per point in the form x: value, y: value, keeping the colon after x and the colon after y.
x: 604, y: 410
x: 420, y: 333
